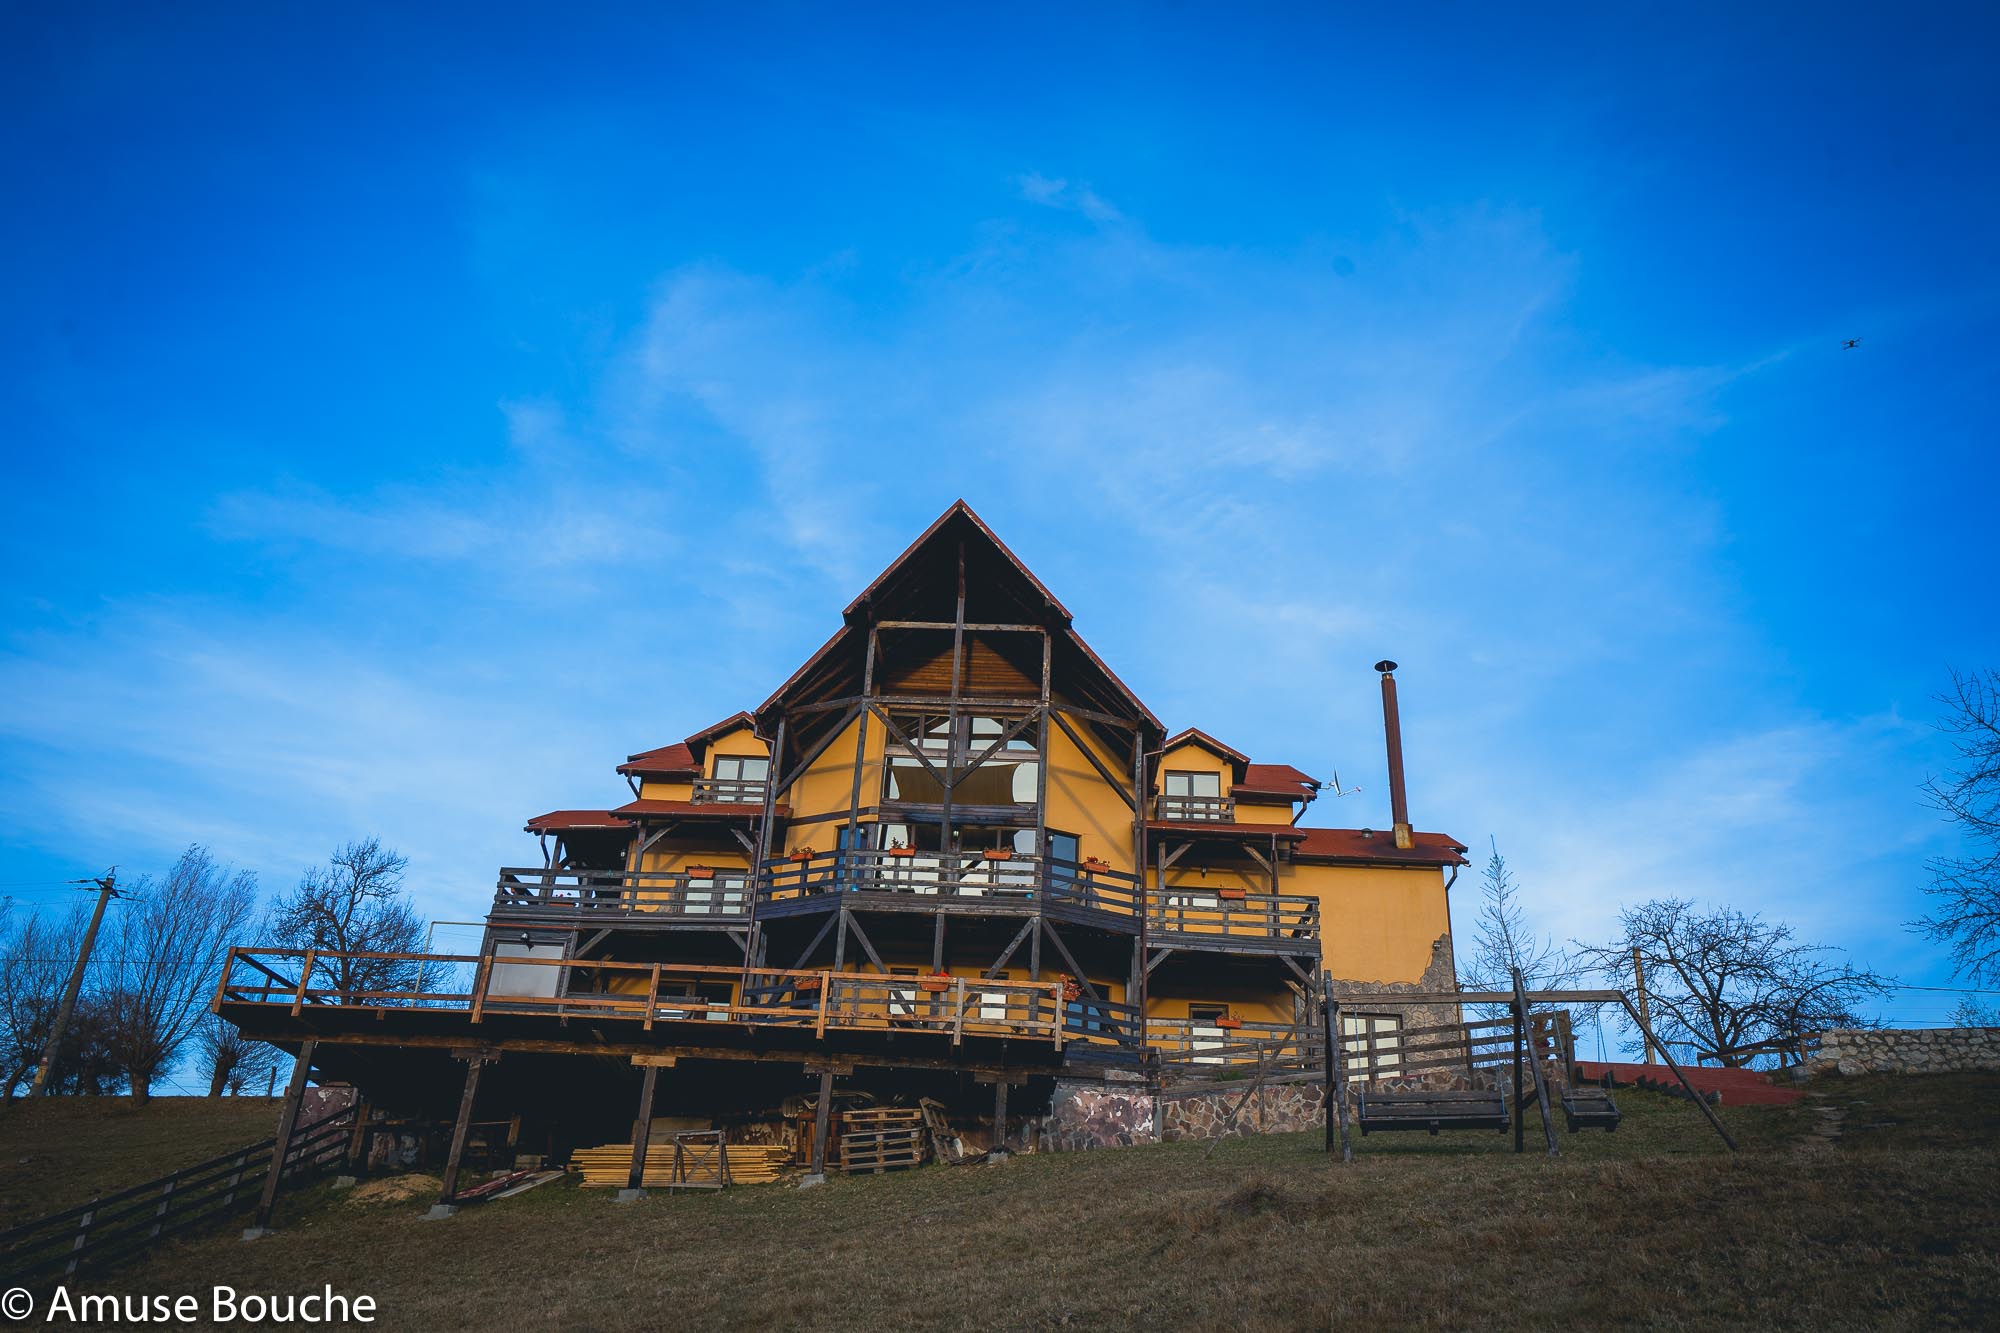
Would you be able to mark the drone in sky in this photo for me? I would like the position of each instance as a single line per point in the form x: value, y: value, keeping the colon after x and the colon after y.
x: 1850, y: 344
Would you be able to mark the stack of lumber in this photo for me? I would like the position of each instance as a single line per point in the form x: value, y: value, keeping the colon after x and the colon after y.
x: 749, y: 1163
x: 884, y: 1138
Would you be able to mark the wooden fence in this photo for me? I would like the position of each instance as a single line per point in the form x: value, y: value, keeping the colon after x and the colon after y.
x: 119, y: 1226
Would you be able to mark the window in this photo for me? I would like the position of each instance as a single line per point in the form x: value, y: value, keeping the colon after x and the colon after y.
x: 739, y: 777
x: 1207, y: 1015
x: 1373, y: 1041
x: 1191, y: 784
x: 1192, y: 795
x: 1008, y: 776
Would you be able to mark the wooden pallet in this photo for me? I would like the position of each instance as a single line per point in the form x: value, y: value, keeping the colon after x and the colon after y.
x: 882, y: 1138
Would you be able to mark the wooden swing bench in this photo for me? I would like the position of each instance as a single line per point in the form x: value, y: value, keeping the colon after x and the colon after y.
x: 1431, y: 1111
x: 1590, y: 1108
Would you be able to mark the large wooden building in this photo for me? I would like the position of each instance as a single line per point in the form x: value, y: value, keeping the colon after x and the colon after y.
x: 953, y: 848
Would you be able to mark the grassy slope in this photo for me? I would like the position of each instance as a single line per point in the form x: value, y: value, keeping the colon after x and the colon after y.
x: 1653, y: 1225
x: 59, y: 1152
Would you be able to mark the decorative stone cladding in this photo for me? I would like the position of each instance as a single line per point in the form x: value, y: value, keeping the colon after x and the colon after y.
x: 1087, y: 1113
x: 1273, y: 1109
x: 1906, y: 1050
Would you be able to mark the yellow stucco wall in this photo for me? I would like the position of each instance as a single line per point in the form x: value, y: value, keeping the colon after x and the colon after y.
x: 1377, y: 923
x: 828, y: 786
x: 741, y: 741
x: 1081, y: 803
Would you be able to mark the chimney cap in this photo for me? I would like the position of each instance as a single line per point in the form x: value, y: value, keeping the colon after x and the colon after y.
x: 1385, y: 666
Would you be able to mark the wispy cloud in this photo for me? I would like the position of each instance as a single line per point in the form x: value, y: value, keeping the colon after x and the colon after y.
x: 1251, y: 474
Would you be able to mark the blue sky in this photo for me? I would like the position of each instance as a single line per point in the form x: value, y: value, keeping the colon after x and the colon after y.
x: 409, y: 415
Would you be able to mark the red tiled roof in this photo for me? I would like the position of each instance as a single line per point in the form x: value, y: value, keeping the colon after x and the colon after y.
x: 1379, y: 845
x: 1275, y: 780
x: 675, y: 758
x: 651, y: 809
x: 561, y: 821
x: 1284, y: 832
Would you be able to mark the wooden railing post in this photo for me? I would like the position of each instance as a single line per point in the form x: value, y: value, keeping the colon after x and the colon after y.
x: 652, y: 1003
x: 482, y: 976
x: 222, y: 982
x: 305, y: 979
x: 958, y: 1015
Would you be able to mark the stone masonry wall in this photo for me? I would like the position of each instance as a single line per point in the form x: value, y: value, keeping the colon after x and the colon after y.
x: 1906, y: 1051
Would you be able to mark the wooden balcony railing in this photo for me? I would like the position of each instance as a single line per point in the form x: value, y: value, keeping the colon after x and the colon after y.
x: 1221, y: 914
x: 640, y: 894
x: 954, y: 875
x: 1186, y: 1042
x: 1195, y: 809
x: 482, y: 987
x: 728, y: 791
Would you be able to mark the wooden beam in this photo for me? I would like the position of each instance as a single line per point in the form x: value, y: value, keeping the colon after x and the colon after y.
x: 1075, y: 969
x: 818, y: 748
x: 822, y: 1117
x: 288, y: 1123
x: 642, y: 1128
x: 867, y: 945
x: 1088, y: 753
x: 994, y: 971
x: 461, y: 1128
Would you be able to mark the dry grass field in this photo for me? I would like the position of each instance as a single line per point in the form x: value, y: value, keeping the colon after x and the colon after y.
x: 1870, y: 1206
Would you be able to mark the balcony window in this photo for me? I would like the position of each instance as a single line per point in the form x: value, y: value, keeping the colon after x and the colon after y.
x: 739, y: 780
x: 1007, y: 777
x: 1192, y: 796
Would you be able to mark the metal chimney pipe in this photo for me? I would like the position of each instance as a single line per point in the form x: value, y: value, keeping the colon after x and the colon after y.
x: 1392, y: 731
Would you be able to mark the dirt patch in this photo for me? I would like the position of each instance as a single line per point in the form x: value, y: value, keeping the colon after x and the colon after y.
x: 396, y: 1189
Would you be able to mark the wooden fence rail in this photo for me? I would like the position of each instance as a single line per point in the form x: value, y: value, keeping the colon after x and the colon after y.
x: 118, y: 1226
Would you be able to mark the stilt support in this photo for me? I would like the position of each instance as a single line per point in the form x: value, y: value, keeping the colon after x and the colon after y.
x: 288, y: 1122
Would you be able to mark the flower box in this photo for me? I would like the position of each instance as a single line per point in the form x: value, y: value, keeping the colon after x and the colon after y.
x: 1094, y: 864
x: 998, y: 853
x: 1070, y: 990
x: 1232, y: 895
x: 805, y: 983
x: 899, y: 851
x: 1229, y: 1022
x: 802, y: 854
x: 936, y: 983
x: 701, y: 872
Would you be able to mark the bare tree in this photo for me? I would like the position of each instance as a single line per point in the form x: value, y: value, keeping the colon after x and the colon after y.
x: 1730, y: 985
x: 1973, y: 1013
x: 36, y: 954
x: 232, y: 1060
x: 1966, y: 889
x: 1502, y: 940
x: 353, y: 903
x: 165, y: 950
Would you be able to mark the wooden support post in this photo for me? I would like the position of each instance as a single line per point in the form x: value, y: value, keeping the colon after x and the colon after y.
x: 288, y: 1121
x: 822, y: 1119
x: 1645, y: 1012
x: 1520, y: 1029
x: 460, y: 1129
x: 1535, y: 1070
x: 999, y: 1152
x: 357, y: 1141
x: 642, y: 1131
x: 1646, y: 1033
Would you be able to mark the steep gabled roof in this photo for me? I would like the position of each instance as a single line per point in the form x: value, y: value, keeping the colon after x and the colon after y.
x: 921, y: 584
x: 1238, y: 761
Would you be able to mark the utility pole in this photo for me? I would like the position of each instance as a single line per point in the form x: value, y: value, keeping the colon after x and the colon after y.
x: 1645, y: 1012
x: 107, y: 889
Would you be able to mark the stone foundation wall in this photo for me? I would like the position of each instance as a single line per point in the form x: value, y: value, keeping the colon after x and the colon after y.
x: 1274, y: 1109
x: 1906, y: 1051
